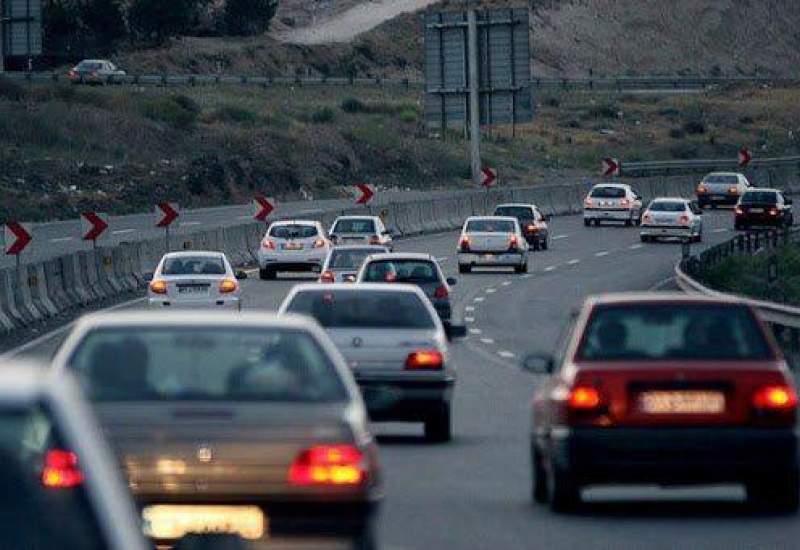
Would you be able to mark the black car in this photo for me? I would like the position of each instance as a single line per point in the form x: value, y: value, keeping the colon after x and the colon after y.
x: 532, y: 222
x: 763, y: 208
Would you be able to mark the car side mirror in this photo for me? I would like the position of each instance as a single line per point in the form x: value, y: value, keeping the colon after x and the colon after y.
x: 455, y: 331
x: 452, y: 281
x: 538, y: 363
x: 149, y: 276
x: 241, y: 275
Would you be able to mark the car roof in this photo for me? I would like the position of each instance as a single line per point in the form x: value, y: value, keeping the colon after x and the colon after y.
x: 355, y: 217
x: 670, y: 199
x: 402, y: 256
x: 636, y: 298
x: 194, y: 253
x: 762, y: 190
x: 400, y: 288
x: 93, y: 61
x: 294, y: 222
x: 724, y: 174
x: 496, y: 218
x: 23, y: 382
x: 619, y: 185
x: 191, y: 318
x: 516, y: 204
x: 376, y: 247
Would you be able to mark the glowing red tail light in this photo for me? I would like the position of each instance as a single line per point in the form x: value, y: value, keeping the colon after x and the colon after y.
x: 738, y: 210
x: 513, y: 242
x: 775, y: 398
x: 374, y: 239
x: 773, y: 211
x: 532, y: 228
x: 588, y: 201
x: 647, y: 218
x: 268, y: 244
x: 424, y: 360
x: 584, y: 398
x: 319, y: 243
x: 61, y: 470
x: 327, y: 277
x: 440, y: 292
x: 701, y: 189
x: 329, y: 465
x: 683, y: 219
x: 625, y: 203
x: 465, y: 243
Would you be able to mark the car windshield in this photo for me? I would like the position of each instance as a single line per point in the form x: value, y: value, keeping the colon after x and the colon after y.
x: 356, y: 225
x: 727, y: 179
x: 608, y: 193
x: 295, y: 231
x: 363, y: 309
x: 349, y: 259
x: 519, y: 212
x: 401, y: 271
x: 760, y: 197
x: 490, y: 226
x: 667, y: 206
x: 193, y: 265
x: 207, y: 363
x: 673, y: 332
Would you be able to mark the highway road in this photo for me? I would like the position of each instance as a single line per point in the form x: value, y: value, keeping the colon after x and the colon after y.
x: 474, y: 491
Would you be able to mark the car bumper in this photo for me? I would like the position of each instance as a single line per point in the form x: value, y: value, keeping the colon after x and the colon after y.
x: 228, y: 303
x: 673, y: 455
x: 292, y: 262
x: 611, y: 215
x: 760, y: 221
x: 665, y: 231
x: 538, y: 237
x: 491, y: 258
x: 717, y: 199
x: 404, y: 400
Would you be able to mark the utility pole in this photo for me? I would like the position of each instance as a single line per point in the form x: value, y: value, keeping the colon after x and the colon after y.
x: 2, y: 39
x: 474, y: 93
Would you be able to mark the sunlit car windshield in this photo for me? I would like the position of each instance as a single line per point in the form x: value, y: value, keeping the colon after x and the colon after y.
x: 363, y: 309
x: 401, y: 271
x: 293, y: 231
x: 667, y: 206
x: 490, y: 226
x: 659, y: 332
x: 349, y: 259
x: 608, y: 192
x: 214, y: 363
x: 193, y: 265
x: 519, y: 212
x: 760, y: 197
x: 355, y: 226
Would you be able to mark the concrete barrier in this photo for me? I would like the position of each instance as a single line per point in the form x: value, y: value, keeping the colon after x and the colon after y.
x: 104, y: 260
x: 87, y: 271
x: 10, y: 317
x: 55, y: 281
x: 22, y: 297
x: 74, y: 283
x: 37, y: 283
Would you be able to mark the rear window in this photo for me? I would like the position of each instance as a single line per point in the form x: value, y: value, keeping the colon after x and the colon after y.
x: 193, y: 265
x: 401, y: 271
x: 490, y: 226
x: 363, y: 309
x: 760, y: 197
x: 355, y: 226
x: 608, y: 192
x: 349, y: 259
x: 293, y: 231
x: 726, y: 179
x: 212, y: 363
x: 32, y: 515
x: 663, y: 332
x: 519, y: 212
x: 667, y: 206
x: 90, y: 66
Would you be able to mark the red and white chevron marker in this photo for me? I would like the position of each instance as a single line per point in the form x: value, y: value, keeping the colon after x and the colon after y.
x: 745, y: 156
x: 611, y: 167
x: 262, y: 207
x: 94, y: 225
x: 488, y: 177
x: 367, y: 192
x: 166, y: 213
x: 17, y: 237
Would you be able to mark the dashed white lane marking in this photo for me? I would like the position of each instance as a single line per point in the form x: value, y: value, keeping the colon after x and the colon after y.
x: 557, y: 237
x: 479, y: 299
x: 506, y: 354
x: 185, y: 224
x: 122, y: 231
x: 550, y: 268
x: 720, y: 230
x: 244, y: 218
x: 505, y: 283
x: 469, y: 319
x: 635, y: 246
x: 603, y: 253
x: 573, y: 262
x: 487, y: 340
x: 491, y: 290
x: 60, y: 239
x: 469, y: 308
x: 528, y: 276
x: 475, y: 331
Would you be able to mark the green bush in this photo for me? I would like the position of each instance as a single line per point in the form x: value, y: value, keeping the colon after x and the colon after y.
x: 11, y: 90
x: 684, y: 151
x: 408, y: 115
x: 323, y: 116
x: 178, y: 111
x: 353, y: 105
x: 669, y: 112
x: 248, y: 17
x: 677, y: 133
x: 235, y: 115
x: 694, y: 126
x: 607, y: 109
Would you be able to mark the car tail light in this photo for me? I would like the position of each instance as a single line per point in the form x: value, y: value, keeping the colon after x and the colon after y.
x: 158, y: 286
x: 374, y: 239
x: 440, y: 292
x: 319, y: 243
x: 702, y: 189
x: 327, y: 277
x: 329, y: 465
x: 647, y: 218
x: 625, y: 203
x: 733, y: 190
x: 61, y: 470
x: 775, y: 398
x: 424, y: 360
x: 773, y: 211
x: 683, y: 219
x: 584, y: 398
x: 513, y: 242
x: 465, y: 244
x: 268, y: 244
x: 588, y: 202
x: 227, y: 286
x: 72, y: 73
x: 738, y: 210
x: 532, y: 228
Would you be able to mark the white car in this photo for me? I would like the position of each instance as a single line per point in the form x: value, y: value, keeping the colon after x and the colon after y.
x: 343, y: 262
x: 195, y: 279
x: 492, y: 241
x: 616, y: 202
x: 297, y: 245
x: 61, y: 483
x: 361, y: 230
x: 672, y: 217
x: 721, y: 188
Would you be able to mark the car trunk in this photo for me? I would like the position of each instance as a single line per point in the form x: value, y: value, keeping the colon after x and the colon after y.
x: 720, y: 189
x: 760, y: 211
x: 379, y: 351
x: 489, y: 242
x: 354, y: 238
x: 193, y: 286
x: 685, y: 393
x: 665, y: 218
x: 610, y: 203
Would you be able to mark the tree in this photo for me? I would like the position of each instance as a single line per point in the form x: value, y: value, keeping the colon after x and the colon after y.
x: 160, y: 19
x: 104, y: 22
x: 248, y: 17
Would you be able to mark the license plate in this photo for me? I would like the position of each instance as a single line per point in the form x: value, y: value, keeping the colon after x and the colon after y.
x: 292, y: 246
x: 682, y: 402
x: 192, y: 289
x: 756, y: 210
x: 490, y: 257
x: 168, y: 521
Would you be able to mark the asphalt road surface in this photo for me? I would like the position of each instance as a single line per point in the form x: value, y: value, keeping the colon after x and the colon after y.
x: 474, y: 491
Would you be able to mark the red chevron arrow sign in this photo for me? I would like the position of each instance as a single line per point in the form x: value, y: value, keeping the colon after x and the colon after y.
x: 367, y: 192
x: 17, y: 237
x: 166, y: 213
x: 262, y: 207
x: 94, y: 225
x: 611, y: 167
x: 745, y: 156
x: 488, y: 177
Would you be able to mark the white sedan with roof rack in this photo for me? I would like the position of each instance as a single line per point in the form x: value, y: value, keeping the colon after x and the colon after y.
x: 672, y: 217
x: 608, y: 202
x: 297, y: 245
x: 492, y: 241
x: 195, y: 279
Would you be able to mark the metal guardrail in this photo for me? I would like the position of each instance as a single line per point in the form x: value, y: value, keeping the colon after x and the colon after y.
x: 678, y: 167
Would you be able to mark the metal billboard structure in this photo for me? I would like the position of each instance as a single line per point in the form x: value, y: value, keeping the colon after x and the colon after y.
x: 20, y: 28
x: 503, y: 68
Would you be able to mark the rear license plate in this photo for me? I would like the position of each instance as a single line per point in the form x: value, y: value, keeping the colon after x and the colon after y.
x: 682, y: 402
x: 192, y: 289
x: 292, y: 246
x: 168, y: 521
x: 756, y: 210
x: 490, y: 257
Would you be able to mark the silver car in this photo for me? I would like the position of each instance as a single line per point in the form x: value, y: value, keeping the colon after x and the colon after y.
x: 361, y: 230
x: 298, y: 245
x: 612, y: 202
x: 195, y: 279
x: 673, y: 217
x: 395, y: 344
x: 60, y: 482
x: 721, y: 188
x: 492, y: 241
x: 343, y: 262
x: 95, y: 71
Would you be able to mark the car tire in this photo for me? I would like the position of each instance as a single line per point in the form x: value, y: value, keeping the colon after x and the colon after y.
x: 629, y: 222
x: 780, y: 493
x: 535, y: 245
x: 521, y: 268
x: 438, y: 426
x: 563, y: 493
x: 645, y: 238
x: 699, y: 237
x: 545, y: 244
x: 587, y: 222
x: 538, y: 478
x: 737, y: 227
x: 462, y: 268
x: 266, y: 274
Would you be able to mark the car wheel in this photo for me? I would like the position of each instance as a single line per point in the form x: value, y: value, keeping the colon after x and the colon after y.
x: 645, y: 238
x: 438, y: 427
x: 535, y: 245
x: 699, y: 237
x: 462, y: 268
x: 587, y: 222
x: 629, y: 223
x: 780, y: 493
x: 562, y: 491
x: 538, y: 478
x: 266, y: 274
x: 737, y: 227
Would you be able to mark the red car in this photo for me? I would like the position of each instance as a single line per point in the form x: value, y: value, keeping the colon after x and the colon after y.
x: 668, y: 389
